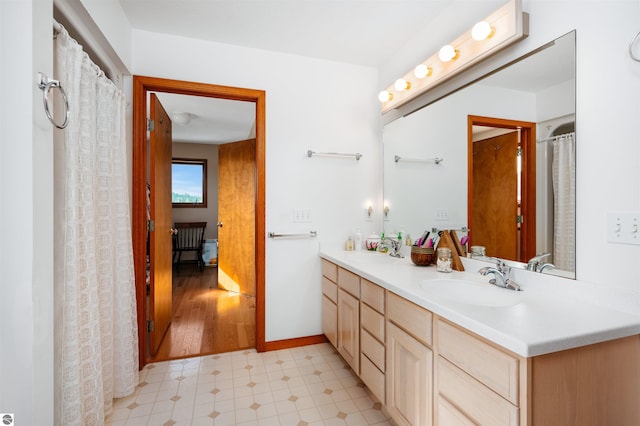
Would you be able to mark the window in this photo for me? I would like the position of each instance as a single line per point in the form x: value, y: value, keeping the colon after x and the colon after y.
x: 188, y: 182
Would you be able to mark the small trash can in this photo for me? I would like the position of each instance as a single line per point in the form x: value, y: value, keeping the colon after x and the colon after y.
x: 210, y: 253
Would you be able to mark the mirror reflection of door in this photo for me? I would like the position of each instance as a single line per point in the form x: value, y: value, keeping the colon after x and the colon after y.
x: 502, y: 187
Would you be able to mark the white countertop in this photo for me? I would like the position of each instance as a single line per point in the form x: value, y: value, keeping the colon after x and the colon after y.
x: 547, y: 316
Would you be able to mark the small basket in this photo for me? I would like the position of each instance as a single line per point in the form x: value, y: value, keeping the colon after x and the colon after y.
x: 422, y: 256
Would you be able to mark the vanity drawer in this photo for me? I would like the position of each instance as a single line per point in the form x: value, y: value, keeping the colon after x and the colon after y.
x: 412, y: 318
x: 330, y: 289
x: 349, y: 282
x: 478, y: 402
x: 373, y: 378
x: 373, y: 349
x: 448, y: 415
x: 372, y: 295
x: 330, y: 270
x: 491, y: 366
x: 372, y: 321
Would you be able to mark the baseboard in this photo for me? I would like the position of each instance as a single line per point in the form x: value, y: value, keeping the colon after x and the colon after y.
x: 294, y: 343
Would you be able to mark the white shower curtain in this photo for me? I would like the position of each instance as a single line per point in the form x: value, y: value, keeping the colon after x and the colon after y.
x: 96, y: 356
x: 564, y: 200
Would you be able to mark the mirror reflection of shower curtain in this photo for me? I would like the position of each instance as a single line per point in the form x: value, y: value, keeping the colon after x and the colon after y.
x: 564, y: 198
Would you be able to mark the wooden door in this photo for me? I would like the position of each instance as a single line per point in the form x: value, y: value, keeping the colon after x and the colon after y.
x: 494, y: 198
x: 236, y: 217
x: 409, y: 379
x: 160, y: 290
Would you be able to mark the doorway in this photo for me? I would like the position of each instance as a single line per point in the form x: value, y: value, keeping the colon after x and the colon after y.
x: 502, y: 187
x: 141, y: 87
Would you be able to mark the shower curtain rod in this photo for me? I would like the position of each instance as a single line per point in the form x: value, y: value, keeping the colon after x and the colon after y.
x: 555, y: 137
x: 57, y: 28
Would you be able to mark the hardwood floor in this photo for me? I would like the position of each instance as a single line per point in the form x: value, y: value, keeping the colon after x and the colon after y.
x: 206, y: 319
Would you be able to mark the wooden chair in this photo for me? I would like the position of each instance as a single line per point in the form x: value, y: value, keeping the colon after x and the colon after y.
x: 188, y: 236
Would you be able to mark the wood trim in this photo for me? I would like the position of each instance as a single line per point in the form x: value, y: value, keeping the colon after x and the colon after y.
x: 277, y: 345
x: 141, y: 86
x: 528, y: 208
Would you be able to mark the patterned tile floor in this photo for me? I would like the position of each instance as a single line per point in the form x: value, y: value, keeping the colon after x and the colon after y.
x: 305, y: 386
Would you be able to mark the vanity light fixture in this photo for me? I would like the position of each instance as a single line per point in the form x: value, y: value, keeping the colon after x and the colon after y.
x: 448, y: 53
x: 422, y: 71
x: 386, y: 211
x: 385, y: 96
x: 402, y: 84
x: 482, y: 31
x: 369, y: 211
x: 503, y: 27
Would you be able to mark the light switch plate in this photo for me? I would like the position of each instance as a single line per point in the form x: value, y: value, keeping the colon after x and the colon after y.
x: 442, y: 214
x: 301, y: 215
x: 623, y: 227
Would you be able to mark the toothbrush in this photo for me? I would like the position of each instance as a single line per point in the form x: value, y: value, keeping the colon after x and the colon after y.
x: 425, y: 239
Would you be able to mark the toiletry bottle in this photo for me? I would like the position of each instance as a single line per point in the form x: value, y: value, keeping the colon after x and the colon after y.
x: 348, y: 246
x: 357, y: 239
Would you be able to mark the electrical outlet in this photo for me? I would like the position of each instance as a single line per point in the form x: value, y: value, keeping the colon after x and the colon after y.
x: 301, y: 215
x: 623, y: 227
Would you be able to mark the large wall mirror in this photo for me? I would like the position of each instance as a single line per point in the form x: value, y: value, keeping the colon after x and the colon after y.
x: 441, y: 161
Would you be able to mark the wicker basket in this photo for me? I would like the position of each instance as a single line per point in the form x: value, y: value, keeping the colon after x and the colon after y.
x: 422, y: 256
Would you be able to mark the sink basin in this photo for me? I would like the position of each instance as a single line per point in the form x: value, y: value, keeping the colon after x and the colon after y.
x: 470, y: 293
x: 371, y: 257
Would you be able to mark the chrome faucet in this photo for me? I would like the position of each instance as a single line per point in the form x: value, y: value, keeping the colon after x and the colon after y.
x: 535, y: 263
x: 394, y: 246
x: 501, y: 273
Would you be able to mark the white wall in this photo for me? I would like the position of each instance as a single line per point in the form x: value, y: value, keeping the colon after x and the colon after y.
x: 608, y: 157
x: 310, y: 104
x: 26, y: 215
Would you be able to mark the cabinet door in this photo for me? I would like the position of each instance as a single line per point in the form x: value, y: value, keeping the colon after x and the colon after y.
x: 409, y: 379
x: 349, y: 329
x: 330, y: 320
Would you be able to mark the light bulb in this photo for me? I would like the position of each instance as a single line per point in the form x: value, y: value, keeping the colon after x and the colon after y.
x: 447, y: 53
x: 482, y: 30
x: 422, y: 71
x: 402, y: 84
x: 385, y: 96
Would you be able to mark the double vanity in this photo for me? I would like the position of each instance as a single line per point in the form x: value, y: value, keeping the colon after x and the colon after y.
x: 453, y: 349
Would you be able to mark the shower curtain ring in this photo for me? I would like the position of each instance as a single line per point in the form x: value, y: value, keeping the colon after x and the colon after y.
x: 45, y: 83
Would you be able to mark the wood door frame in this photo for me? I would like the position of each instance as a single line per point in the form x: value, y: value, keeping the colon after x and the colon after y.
x: 528, y: 189
x: 141, y: 86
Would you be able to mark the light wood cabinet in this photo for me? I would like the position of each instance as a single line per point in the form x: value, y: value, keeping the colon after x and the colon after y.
x: 330, y: 320
x: 476, y: 382
x: 349, y: 329
x: 330, y: 301
x: 409, y: 378
x: 427, y: 370
x: 372, y: 338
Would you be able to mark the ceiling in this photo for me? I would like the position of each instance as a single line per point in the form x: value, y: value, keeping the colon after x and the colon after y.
x: 362, y: 32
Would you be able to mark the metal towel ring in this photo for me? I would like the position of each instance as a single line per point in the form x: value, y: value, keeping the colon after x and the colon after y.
x: 45, y: 84
x: 633, y: 40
